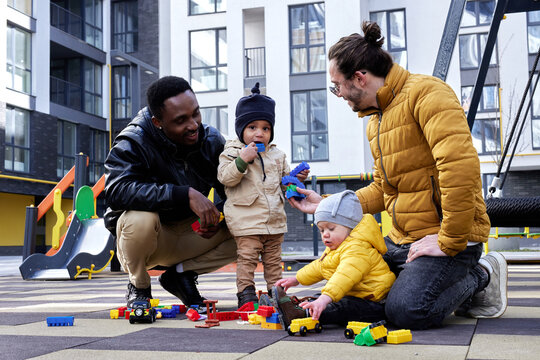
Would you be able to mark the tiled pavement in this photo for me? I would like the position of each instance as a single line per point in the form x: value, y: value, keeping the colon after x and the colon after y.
x: 25, y: 305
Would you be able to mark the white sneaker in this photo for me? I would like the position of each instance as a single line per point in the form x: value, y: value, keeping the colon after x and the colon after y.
x: 491, y: 302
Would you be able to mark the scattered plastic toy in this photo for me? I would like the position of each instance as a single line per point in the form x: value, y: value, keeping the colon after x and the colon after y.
x: 60, y: 321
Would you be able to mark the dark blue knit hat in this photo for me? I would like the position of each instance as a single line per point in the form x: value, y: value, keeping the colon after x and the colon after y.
x: 254, y: 107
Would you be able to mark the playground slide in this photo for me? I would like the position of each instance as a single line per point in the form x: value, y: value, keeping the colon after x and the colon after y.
x: 87, y: 242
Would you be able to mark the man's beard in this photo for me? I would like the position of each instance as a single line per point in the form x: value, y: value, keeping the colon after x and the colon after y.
x: 355, y: 97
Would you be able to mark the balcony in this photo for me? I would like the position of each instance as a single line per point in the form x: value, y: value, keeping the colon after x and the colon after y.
x: 75, y: 25
x: 74, y: 97
x: 254, y: 62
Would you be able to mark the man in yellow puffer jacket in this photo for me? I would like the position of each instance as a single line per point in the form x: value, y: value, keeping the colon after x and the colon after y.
x: 427, y: 177
x: 358, y: 279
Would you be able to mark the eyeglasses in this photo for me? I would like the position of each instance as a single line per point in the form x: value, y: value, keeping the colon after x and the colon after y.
x: 336, y: 89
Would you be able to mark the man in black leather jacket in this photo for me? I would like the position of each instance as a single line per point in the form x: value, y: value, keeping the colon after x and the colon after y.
x: 159, y: 172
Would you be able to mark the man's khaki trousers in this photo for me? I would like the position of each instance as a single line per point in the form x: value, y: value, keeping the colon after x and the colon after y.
x: 144, y: 242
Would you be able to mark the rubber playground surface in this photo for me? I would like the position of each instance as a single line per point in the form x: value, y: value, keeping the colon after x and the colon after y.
x: 25, y: 306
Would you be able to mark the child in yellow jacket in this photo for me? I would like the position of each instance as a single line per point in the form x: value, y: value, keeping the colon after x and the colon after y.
x: 358, y: 279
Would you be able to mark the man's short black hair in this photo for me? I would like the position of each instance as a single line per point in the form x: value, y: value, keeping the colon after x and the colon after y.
x: 162, y: 89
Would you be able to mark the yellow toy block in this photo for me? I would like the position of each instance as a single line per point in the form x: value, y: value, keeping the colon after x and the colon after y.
x: 272, y: 326
x: 379, y: 332
x: 255, y: 319
x: 114, y: 314
x: 399, y: 336
x: 354, y: 327
x: 154, y: 302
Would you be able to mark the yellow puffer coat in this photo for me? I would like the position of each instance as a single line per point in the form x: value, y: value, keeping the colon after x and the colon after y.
x: 427, y: 171
x: 355, y: 268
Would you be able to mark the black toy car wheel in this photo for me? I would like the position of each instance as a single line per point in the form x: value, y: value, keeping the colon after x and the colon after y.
x: 303, y: 331
x: 349, y: 333
x: 289, y: 331
x: 318, y: 328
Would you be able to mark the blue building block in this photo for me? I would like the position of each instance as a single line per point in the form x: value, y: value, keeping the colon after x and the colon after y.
x: 301, y: 167
x: 167, y: 313
x: 260, y: 147
x: 274, y: 318
x: 60, y: 321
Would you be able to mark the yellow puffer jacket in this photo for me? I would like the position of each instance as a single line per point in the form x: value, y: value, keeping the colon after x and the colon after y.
x: 426, y: 171
x: 355, y: 268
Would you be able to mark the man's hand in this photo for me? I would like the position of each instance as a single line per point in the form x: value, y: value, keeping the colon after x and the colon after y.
x: 428, y: 246
x: 316, y: 307
x: 287, y: 283
x: 203, y: 208
x: 208, y: 232
x: 307, y: 205
x: 249, y: 153
x: 302, y: 175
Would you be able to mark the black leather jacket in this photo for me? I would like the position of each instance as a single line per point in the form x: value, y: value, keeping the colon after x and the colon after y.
x: 146, y: 171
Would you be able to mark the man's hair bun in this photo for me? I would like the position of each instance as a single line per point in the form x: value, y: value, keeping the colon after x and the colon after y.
x: 372, y: 34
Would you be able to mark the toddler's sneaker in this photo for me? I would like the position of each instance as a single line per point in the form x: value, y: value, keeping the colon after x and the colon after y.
x: 287, y: 308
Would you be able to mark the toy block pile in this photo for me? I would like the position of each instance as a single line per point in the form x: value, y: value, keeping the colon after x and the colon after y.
x: 267, y: 317
x: 367, y: 334
x: 169, y: 311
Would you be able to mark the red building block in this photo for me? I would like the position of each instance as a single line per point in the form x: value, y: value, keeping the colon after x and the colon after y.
x: 265, y: 311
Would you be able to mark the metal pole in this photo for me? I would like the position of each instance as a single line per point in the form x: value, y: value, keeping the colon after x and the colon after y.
x: 315, y: 230
x: 486, y: 57
x: 81, y: 177
x: 30, y: 224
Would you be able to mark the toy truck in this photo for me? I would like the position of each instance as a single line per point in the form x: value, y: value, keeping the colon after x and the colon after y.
x: 354, y: 328
x: 303, y: 325
x: 373, y: 334
x: 141, y: 311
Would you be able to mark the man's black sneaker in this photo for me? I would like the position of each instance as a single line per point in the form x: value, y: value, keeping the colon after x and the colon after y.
x: 133, y: 293
x: 247, y: 295
x: 182, y: 285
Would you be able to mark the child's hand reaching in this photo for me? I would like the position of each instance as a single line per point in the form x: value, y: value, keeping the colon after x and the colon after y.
x: 287, y: 283
x: 302, y: 175
x: 249, y: 153
x: 316, y: 307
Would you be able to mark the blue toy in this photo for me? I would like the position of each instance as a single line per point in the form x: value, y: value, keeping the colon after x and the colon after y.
x: 60, y: 321
x: 260, y: 147
x: 292, y: 182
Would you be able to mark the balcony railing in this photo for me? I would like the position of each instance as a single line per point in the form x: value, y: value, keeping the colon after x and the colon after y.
x: 66, y: 21
x: 254, y: 62
x: 74, y: 97
x: 75, y: 25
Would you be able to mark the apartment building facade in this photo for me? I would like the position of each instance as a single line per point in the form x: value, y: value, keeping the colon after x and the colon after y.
x: 76, y: 73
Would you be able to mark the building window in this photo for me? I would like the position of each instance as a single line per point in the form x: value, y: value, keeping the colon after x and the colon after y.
x: 392, y: 24
x: 197, y: 7
x: 489, y: 101
x: 533, y: 31
x: 125, y: 36
x: 92, y: 87
x: 535, y: 121
x: 93, y: 23
x: 98, y: 153
x: 307, y: 38
x: 18, y: 61
x: 121, y: 92
x: 217, y: 117
x: 309, y: 126
x: 17, y: 144
x: 208, y: 60
x: 24, y: 6
x: 486, y: 136
x: 478, y: 13
x: 66, y: 149
x: 471, y: 49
